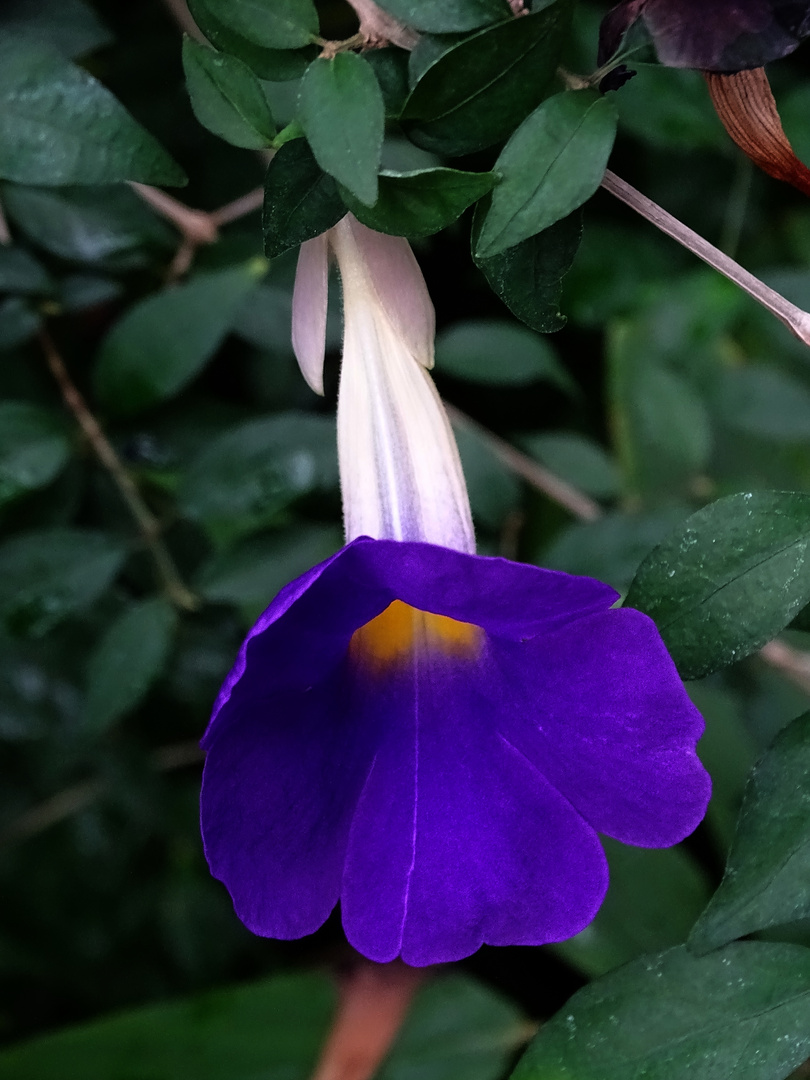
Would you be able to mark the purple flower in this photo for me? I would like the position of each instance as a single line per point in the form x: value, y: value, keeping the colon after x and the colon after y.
x: 443, y: 775
x: 431, y: 737
x: 712, y: 35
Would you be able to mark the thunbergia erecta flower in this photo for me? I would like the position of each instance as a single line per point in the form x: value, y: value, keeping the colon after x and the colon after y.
x: 711, y: 35
x: 430, y: 737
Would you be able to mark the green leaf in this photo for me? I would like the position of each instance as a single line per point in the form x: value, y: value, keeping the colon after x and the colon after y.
x: 528, y: 277
x: 422, y: 202
x: 67, y: 25
x: 48, y: 574
x: 270, y: 1030
x: 341, y: 110
x: 109, y: 225
x: 247, y: 476
x: 126, y: 662
x: 251, y: 573
x: 34, y: 448
x: 227, y: 98
x: 163, y: 343
x: 390, y: 67
x: 551, y: 165
x: 21, y: 273
x: 19, y: 321
x: 71, y: 130
x: 300, y: 199
x: 455, y: 1028
x: 727, y: 580
x: 651, y: 904
x: 580, y: 461
x: 494, y: 490
x: 449, y: 17
x: 499, y: 353
x: 767, y: 878
x: 479, y: 90
x: 273, y: 64
x: 274, y: 24
x: 763, y: 402
x: 743, y: 1012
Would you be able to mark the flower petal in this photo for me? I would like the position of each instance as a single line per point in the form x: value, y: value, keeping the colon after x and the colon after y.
x: 612, y: 726
x: 310, y: 296
x: 457, y: 839
x: 279, y: 789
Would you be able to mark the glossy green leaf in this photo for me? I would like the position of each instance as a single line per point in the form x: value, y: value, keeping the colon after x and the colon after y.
x: 420, y: 203
x: 48, y: 574
x: 341, y: 110
x: 247, y: 476
x: 300, y: 199
x: 70, y: 26
x: 767, y: 878
x: 273, y: 64
x: 727, y: 580
x: 580, y: 461
x: 390, y: 67
x: 34, y: 448
x: 551, y: 165
x: 72, y: 130
x: 227, y: 97
x: 250, y: 574
x: 652, y: 901
x: 107, y: 224
x: 455, y: 1028
x: 741, y: 1013
x: 163, y: 342
x: 500, y: 353
x: 126, y: 662
x: 21, y: 273
x: 274, y: 24
x: 449, y: 17
x: 270, y: 1030
x: 479, y: 90
x: 528, y: 277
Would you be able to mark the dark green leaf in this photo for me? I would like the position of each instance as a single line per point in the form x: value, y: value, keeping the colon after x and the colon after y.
x: 763, y: 402
x: 580, y: 461
x: 270, y: 64
x: 767, y: 878
x: 451, y: 16
x: 500, y: 353
x: 300, y: 200
x: 250, y: 574
x: 528, y: 277
x: 390, y: 66
x: 270, y: 1030
x: 420, y: 203
x: 67, y: 25
x: 455, y: 1028
x: 479, y: 90
x: 274, y: 24
x: 109, y: 225
x: 163, y: 342
x: 82, y: 291
x: 34, y: 448
x: 743, y: 1012
x: 652, y: 901
x: 494, y: 490
x: 48, y: 574
x: 19, y: 321
x: 341, y: 110
x: 127, y: 660
x: 727, y: 580
x: 71, y: 130
x: 21, y: 273
x: 552, y: 164
x: 227, y: 97
x: 244, y: 479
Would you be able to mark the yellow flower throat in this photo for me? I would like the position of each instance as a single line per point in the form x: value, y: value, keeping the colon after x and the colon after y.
x: 400, y: 631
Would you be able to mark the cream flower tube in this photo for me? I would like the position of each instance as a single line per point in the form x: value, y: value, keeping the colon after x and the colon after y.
x: 400, y: 472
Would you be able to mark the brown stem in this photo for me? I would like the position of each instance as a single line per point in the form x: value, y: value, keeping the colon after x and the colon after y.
x: 148, y: 524
x: 796, y: 320
x: 373, y: 1003
x: 378, y: 28
x: 239, y: 208
x: 178, y: 9
x: 195, y: 225
x: 560, y: 491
